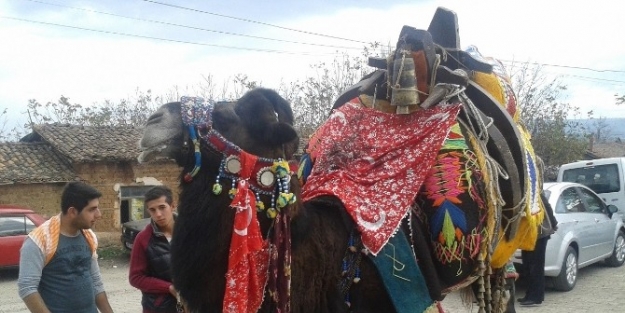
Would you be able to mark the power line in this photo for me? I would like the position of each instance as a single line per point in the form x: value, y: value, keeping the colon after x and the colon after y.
x: 195, y: 28
x: 166, y: 39
x: 595, y: 79
x: 253, y: 21
x: 565, y: 66
x: 258, y: 37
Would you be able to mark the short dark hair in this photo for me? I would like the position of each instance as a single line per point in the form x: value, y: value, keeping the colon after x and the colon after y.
x: 77, y: 194
x: 158, y: 191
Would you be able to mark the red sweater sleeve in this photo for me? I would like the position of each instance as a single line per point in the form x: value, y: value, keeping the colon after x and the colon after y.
x: 139, y: 275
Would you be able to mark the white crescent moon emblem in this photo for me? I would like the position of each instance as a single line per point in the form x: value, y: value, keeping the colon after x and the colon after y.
x: 371, y: 226
x: 243, y: 232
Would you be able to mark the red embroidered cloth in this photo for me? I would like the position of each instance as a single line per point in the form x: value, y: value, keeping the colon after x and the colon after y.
x: 375, y: 163
x: 248, y: 260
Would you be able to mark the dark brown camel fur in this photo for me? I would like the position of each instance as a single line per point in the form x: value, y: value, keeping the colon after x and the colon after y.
x: 261, y: 123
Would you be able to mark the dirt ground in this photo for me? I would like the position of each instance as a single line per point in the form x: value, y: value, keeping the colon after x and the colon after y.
x: 598, y: 289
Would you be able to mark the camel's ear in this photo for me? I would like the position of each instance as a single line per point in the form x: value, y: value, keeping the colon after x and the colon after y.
x: 267, y: 116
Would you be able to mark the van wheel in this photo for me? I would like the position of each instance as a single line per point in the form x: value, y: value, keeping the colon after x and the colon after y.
x: 567, y: 278
x: 618, y: 254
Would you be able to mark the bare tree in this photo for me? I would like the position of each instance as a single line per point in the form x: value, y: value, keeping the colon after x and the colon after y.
x: 312, y: 99
x: 3, y: 124
x: 556, y: 136
x: 8, y: 133
x: 601, y: 130
x: 133, y: 111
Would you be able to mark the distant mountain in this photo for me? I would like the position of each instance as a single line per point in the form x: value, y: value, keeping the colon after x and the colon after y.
x: 614, y: 127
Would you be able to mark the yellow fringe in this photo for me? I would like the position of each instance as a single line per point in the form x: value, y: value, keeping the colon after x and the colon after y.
x: 525, y: 238
x: 494, y: 84
x: 490, y: 83
x: 528, y: 225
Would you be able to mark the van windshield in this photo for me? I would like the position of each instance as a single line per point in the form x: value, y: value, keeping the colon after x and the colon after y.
x: 599, y: 178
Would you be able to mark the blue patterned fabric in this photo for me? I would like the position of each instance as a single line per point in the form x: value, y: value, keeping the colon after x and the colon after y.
x: 401, y: 275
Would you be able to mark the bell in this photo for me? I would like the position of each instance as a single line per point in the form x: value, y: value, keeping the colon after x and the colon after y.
x: 403, y: 83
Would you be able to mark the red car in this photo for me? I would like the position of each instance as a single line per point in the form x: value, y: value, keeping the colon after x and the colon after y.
x: 15, y: 223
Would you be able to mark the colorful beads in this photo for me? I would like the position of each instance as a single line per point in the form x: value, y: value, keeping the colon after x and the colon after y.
x: 260, y: 206
x: 272, y: 213
x: 285, y: 199
x: 281, y: 168
x: 232, y: 193
x: 217, y: 189
x: 188, y: 178
x: 272, y: 180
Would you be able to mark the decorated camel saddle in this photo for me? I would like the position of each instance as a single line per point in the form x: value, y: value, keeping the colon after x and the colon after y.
x: 430, y: 148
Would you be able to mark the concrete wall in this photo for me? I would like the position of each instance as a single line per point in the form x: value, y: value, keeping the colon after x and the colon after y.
x: 108, y: 178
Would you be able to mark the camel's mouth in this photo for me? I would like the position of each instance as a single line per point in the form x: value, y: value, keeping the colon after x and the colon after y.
x: 151, y: 153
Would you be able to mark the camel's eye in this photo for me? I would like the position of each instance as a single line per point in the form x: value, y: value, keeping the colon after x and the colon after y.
x: 155, y: 118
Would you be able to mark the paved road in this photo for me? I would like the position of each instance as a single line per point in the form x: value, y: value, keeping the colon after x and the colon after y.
x: 599, y: 289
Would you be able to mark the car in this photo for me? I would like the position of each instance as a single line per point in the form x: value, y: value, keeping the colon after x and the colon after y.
x: 589, y: 231
x: 131, y: 229
x: 15, y: 224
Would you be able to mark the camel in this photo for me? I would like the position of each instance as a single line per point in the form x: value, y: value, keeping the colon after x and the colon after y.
x: 246, y: 242
x: 207, y: 224
x: 476, y: 199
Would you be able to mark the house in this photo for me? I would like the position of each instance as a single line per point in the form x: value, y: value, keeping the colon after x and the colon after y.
x: 34, y: 171
x: 606, y: 150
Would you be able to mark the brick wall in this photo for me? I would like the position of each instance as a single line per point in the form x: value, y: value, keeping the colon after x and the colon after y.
x: 168, y: 172
x: 109, y: 177
x: 106, y: 177
x: 43, y: 198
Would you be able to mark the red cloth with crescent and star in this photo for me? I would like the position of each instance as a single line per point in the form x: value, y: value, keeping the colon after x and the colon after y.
x: 375, y: 163
x: 248, y: 260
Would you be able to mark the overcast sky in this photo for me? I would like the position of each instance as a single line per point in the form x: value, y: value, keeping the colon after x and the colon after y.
x: 50, y: 48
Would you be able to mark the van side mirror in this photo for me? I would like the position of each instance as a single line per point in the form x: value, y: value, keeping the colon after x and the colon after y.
x: 612, y: 209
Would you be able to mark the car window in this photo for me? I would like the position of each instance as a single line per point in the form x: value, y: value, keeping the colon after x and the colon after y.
x: 593, y: 203
x: 599, y: 178
x: 15, y: 225
x: 569, y: 201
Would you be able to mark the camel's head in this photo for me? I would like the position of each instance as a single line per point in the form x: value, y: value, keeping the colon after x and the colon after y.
x: 164, y: 134
x: 260, y: 123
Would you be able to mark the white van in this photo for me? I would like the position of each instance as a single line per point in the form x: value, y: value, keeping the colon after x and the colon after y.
x: 606, y: 177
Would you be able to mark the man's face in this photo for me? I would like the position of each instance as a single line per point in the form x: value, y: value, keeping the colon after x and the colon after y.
x: 160, y: 211
x: 88, y: 216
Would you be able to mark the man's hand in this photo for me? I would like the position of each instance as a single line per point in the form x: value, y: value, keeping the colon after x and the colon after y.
x: 102, y: 302
x: 35, y: 303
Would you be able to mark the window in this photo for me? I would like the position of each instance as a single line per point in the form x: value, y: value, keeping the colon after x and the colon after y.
x: 599, y: 178
x: 132, y: 203
x: 569, y: 201
x: 15, y: 225
x: 593, y: 204
x: 134, y: 191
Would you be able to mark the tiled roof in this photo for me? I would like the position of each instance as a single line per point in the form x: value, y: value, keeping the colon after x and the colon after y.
x: 608, y: 150
x: 22, y: 162
x: 91, y: 143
